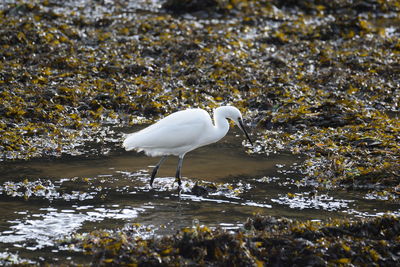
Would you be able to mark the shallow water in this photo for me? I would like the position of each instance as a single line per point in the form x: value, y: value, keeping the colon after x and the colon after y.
x: 81, y: 194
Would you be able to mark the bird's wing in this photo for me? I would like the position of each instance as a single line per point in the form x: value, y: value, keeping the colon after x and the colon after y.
x: 180, y: 129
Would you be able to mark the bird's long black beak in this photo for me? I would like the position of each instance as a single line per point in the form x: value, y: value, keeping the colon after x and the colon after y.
x: 244, y: 130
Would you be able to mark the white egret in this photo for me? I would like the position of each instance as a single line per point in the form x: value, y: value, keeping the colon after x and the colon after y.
x: 181, y: 132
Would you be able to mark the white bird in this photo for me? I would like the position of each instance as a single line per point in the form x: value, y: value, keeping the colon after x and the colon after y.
x: 181, y: 132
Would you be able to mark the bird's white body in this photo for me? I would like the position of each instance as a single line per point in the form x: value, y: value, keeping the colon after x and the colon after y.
x: 178, y: 133
x: 182, y: 132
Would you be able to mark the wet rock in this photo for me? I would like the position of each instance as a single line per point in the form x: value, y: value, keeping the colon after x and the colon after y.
x: 136, y: 69
x: 199, y: 190
x: 278, y: 61
x: 189, y: 6
x: 369, y: 142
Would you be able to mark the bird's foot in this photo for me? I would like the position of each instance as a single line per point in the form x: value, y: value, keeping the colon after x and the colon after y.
x: 178, y: 180
x: 179, y: 191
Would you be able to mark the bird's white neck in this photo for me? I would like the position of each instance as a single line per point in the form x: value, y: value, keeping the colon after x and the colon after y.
x: 221, y: 124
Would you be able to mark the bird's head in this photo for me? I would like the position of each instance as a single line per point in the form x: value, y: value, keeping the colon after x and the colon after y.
x: 235, y: 115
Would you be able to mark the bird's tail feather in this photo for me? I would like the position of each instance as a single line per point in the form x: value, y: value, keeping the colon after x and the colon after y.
x: 128, y: 143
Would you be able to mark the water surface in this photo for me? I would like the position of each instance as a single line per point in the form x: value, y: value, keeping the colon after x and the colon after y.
x: 80, y: 194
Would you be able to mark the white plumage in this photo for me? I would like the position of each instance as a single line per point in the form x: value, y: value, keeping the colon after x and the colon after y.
x: 173, y: 135
x: 181, y: 132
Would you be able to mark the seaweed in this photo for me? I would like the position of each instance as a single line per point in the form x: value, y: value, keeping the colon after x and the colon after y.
x: 261, y: 241
x: 318, y: 78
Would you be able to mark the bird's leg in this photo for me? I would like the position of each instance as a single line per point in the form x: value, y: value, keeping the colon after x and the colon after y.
x: 153, y: 174
x: 178, y: 171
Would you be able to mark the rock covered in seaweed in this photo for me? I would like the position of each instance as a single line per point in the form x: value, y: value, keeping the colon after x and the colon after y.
x: 262, y: 241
